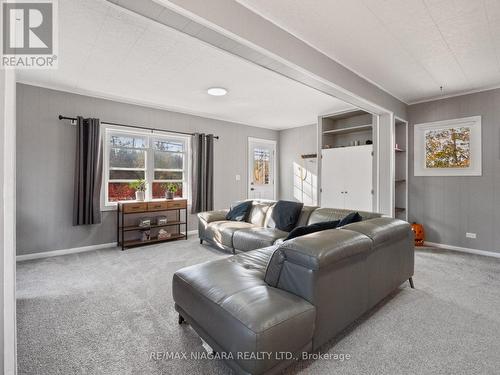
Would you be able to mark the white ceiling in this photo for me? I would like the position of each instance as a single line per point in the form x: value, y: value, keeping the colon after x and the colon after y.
x: 109, y: 52
x: 408, y: 47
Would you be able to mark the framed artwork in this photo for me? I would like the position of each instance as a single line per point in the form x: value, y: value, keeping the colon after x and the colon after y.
x: 448, y: 148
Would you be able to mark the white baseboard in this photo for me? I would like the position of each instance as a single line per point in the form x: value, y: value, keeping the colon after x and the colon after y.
x: 54, y: 253
x: 463, y: 249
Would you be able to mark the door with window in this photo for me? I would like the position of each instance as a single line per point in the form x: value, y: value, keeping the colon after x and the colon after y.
x: 261, y: 168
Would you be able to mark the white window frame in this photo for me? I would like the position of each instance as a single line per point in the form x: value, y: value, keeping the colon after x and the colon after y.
x: 108, y: 130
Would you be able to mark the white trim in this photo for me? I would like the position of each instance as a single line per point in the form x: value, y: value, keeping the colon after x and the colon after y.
x: 463, y: 249
x: 463, y: 93
x: 75, y: 250
x: 149, y: 136
x: 9, y: 222
x: 55, y: 253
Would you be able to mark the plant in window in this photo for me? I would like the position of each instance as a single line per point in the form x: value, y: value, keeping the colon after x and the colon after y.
x: 170, y: 190
x: 140, y: 187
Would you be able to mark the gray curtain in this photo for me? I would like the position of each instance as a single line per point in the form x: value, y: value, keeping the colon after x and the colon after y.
x: 88, y: 172
x: 202, y: 185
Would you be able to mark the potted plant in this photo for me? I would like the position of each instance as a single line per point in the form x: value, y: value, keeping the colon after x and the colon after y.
x: 140, y: 189
x: 170, y: 190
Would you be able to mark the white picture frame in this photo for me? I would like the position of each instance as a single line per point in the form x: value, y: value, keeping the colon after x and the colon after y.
x: 448, y: 148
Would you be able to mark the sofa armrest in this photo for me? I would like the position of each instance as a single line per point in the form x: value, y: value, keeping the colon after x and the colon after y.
x: 210, y: 216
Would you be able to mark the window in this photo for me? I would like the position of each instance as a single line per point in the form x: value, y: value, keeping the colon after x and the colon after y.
x: 160, y: 159
x: 261, y: 166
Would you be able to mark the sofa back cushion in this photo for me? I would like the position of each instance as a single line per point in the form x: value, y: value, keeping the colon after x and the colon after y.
x: 330, y: 214
x: 240, y: 211
x: 313, y: 228
x: 258, y: 213
x: 305, y: 213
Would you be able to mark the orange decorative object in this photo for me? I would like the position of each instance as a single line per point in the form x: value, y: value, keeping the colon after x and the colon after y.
x: 418, y: 230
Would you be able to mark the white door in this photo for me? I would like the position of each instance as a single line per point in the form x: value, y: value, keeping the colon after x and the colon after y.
x: 346, y: 178
x: 332, y: 177
x: 261, y: 168
x: 359, y: 183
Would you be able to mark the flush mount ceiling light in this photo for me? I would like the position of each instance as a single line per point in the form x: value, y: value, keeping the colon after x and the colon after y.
x: 217, y: 91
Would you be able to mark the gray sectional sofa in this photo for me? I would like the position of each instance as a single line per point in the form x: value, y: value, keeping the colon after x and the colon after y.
x: 261, y: 309
x: 259, y: 230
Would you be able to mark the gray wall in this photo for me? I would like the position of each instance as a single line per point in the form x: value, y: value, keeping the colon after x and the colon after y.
x: 2, y: 212
x: 451, y: 206
x: 45, y: 152
x: 293, y: 143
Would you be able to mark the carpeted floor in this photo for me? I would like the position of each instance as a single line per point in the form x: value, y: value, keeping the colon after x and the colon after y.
x: 105, y: 312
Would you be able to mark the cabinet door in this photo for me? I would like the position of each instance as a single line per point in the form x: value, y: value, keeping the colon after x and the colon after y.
x: 358, y: 178
x: 332, y: 178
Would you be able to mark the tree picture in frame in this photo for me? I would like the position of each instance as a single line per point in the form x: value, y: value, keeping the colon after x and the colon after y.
x: 448, y: 148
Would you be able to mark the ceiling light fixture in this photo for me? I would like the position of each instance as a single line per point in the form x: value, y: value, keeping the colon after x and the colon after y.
x: 217, y: 91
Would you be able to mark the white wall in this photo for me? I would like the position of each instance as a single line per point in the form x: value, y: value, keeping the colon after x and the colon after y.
x: 293, y: 143
x: 7, y: 221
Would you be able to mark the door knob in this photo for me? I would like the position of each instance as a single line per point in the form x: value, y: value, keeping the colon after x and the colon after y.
x: 252, y: 189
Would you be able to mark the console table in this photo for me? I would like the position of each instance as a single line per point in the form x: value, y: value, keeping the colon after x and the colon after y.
x: 151, y: 208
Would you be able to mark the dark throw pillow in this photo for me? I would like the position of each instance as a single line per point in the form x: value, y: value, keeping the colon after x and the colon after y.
x: 240, y: 211
x: 308, y: 229
x: 286, y: 214
x: 353, y: 217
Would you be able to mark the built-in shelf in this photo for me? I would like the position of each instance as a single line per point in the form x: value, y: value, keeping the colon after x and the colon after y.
x: 352, y: 129
x: 399, y: 150
x: 399, y: 209
x: 399, y: 181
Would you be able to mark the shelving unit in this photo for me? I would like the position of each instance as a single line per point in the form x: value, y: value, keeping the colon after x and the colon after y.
x: 347, y: 162
x: 401, y: 170
x: 346, y: 129
x: 352, y: 129
x: 128, y: 211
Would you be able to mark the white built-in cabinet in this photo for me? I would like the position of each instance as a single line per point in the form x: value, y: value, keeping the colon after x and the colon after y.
x: 347, y: 162
x: 347, y: 177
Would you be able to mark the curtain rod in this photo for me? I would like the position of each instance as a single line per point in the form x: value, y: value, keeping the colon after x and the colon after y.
x: 61, y: 117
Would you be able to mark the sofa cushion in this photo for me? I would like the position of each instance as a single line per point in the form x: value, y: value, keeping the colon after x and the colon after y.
x: 256, y: 238
x: 240, y: 211
x: 381, y: 229
x: 258, y: 213
x: 286, y: 214
x: 240, y: 312
x: 313, y: 228
x: 352, y: 217
x: 222, y: 231
x: 305, y: 214
x: 329, y: 214
x: 216, y: 215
